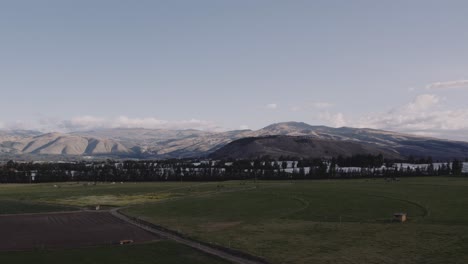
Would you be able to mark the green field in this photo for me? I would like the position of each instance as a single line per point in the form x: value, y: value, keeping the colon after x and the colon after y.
x: 326, y: 221
x: 330, y: 221
x: 108, y: 194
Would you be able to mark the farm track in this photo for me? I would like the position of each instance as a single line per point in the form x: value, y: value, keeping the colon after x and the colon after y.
x: 221, y: 252
x: 218, y: 251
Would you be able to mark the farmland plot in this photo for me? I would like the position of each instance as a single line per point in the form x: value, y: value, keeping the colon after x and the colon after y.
x: 66, y: 230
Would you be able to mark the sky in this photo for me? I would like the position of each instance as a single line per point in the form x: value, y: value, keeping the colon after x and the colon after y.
x: 223, y: 65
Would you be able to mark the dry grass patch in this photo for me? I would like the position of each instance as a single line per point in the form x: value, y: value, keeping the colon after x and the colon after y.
x: 112, y: 200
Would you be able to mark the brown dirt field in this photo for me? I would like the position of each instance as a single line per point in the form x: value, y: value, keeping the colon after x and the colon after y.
x: 66, y: 230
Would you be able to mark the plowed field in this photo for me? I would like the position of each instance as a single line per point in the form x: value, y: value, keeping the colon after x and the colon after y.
x: 66, y: 230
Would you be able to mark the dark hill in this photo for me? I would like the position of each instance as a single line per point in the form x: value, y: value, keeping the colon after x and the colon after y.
x: 296, y: 146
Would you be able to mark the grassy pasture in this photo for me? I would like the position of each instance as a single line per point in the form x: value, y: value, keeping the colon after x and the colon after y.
x: 329, y: 221
x: 107, y: 194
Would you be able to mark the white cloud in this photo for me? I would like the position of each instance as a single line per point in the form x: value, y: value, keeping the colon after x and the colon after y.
x: 244, y: 127
x: 333, y: 119
x: 271, y: 106
x: 85, y: 123
x: 19, y: 124
x: 448, y: 85
x: 422, y: 102
x: 82, y: 123
x: 148, y: 122
x: 426, y: 114
x: 423, y: 116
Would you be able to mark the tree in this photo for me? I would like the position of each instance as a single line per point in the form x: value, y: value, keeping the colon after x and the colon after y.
x: 332, y: 170
x: 457, y: 167
x: 284, y: 165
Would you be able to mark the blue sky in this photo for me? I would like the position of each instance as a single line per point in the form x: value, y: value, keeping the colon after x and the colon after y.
x: 218, y: 64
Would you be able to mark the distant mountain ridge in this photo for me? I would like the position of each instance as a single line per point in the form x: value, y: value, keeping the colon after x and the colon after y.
x: 163, y: 143
x: 63, y: 144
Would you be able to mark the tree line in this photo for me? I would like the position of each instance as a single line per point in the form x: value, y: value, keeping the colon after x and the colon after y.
x: 358, y: 166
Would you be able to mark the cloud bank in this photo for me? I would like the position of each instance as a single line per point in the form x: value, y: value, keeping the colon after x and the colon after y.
x: 448, y: 85
x: 423, y: 116
x: 426, y: 115
x: 83, y: 123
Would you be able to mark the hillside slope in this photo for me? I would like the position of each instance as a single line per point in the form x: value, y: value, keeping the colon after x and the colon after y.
x: 65, y: 144
x: 296, y: 146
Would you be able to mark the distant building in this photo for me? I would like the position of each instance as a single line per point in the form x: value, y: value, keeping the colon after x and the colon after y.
x: 126, y: 241
x: 33, y: 175
x: 400, y: 217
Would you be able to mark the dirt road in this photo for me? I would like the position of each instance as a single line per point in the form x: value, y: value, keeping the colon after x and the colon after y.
x: 212, y: 250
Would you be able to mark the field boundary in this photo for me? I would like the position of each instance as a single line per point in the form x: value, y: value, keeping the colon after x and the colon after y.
x: 51, y: 213
x: 229, y: 254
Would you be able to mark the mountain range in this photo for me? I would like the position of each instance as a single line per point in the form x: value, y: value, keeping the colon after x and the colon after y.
x: 162, y: 144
